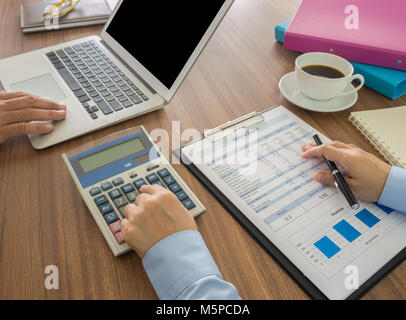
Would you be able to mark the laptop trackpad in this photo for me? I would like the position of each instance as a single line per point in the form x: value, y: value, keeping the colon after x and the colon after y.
x: 43, y: 86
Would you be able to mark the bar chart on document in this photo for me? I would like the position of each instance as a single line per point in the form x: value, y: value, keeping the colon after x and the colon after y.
x: 340, y: 235
x: 313, y: 218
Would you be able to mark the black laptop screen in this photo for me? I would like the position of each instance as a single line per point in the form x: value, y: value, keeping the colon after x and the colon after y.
x: 163, y: 34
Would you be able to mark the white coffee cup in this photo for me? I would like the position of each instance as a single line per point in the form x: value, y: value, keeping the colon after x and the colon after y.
x: 322, y: 88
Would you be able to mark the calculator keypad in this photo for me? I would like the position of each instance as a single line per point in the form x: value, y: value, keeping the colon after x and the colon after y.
x: 109, y: 206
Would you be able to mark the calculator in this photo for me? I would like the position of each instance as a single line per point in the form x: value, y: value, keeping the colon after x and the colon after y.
x: 109, y: 173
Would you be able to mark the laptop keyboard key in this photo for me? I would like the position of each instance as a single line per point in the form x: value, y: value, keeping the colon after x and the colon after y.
x: 94, y: 94
x: 104, y: 107
x: 80, y: 93
x: 61, y: 53
x: 97, y: 99
x: 109, y: 98
x: 115, y: 105
x: 84, y: 98
x: 122, y: 98
x: 135, y: 99
x: 127, y: 104
x: 70, y: 81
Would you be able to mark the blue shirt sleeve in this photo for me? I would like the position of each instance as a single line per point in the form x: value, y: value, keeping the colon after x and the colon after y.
x: 181, y: 267
x: 393, y: 194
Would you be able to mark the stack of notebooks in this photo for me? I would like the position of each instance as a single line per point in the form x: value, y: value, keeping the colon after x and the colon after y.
x: 385, y: 129
x: 377, y: 48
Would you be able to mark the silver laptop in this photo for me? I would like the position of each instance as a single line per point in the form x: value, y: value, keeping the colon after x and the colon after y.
x: 135, y: 66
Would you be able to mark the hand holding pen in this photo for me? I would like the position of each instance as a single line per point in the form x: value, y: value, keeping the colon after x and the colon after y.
x: 366, y: 174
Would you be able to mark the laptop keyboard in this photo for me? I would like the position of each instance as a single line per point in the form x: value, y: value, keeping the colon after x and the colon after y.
x: 96, y: 81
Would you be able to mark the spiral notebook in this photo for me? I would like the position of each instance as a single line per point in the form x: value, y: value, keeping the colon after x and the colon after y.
x: 385, y: 129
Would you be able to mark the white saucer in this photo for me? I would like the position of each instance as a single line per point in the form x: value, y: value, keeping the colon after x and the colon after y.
x: 291, y: 92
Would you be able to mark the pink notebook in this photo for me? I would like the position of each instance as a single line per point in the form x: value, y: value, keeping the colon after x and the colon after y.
x: 324, y: 26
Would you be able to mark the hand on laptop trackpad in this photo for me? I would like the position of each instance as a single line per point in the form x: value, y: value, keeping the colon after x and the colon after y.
x: 44, y: 86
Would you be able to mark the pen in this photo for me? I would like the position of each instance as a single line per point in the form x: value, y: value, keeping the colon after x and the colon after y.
x: 339, y: 180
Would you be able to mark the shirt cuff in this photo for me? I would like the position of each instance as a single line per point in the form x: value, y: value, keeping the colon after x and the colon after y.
x: 177, y: 261
x: 393, y: 194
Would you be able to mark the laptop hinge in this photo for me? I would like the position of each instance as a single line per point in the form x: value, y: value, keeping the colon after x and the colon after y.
x: 129, y: 68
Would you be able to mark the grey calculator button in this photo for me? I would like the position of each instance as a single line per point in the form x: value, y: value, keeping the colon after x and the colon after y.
x: 127, y: 188
x: 105, y: 208
x: 114, y: 194
x: 174, y: 187
x: 118, y: 181
x: 100, y: 200
x: 139, y: 182
x: 163, y: 173
x: 159, y: 182
x: 122, y: 212
x: 106, y: 186
x: 131, y: 196
x: 111, y: 217
x: 189, y: 204
x: 181, y: 195
x: 169, y: 180
x: 120, y: 202
x: 94, y: 191
x: 152, y: 178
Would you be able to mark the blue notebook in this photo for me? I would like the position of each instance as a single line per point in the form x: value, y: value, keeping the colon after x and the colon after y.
x: 389, y: 82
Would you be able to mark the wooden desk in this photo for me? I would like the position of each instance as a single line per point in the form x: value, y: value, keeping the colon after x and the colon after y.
x: 43, y: 220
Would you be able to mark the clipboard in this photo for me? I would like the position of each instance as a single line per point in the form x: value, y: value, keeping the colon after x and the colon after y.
x: 305, y: 283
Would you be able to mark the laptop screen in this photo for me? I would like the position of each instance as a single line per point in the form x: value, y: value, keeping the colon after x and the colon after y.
x: 162, y: 34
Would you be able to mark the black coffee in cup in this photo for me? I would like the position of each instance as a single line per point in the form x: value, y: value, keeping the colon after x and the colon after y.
x: 323, y: 71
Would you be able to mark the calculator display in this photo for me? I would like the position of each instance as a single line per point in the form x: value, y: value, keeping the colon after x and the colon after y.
x: 110, y: 155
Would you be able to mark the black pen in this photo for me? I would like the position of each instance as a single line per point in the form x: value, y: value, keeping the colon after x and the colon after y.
x: 340, y: 183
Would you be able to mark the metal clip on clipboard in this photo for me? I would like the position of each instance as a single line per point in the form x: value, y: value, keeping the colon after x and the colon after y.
x: 244, y: 122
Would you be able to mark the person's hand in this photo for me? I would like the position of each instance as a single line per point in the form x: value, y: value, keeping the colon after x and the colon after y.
x: 156, y: 214
x: 18, y: 109
x: 366, y: 174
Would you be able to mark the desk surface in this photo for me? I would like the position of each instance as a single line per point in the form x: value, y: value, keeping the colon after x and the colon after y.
x: 43, y: 220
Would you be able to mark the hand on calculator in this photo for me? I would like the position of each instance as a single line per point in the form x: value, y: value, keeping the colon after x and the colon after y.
x: 156, y: 214
x: 18, y: 109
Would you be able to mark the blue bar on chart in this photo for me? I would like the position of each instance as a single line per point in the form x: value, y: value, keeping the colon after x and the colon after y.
x: 347, y: 230
x: 367, y: 218
x: 383, y: 208
x: 327, y: 247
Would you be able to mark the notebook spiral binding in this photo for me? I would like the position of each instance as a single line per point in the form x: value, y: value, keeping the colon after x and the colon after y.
x: 379, y: 146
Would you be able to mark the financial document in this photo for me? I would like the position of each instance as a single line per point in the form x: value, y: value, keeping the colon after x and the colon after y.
x: 336, y: 247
